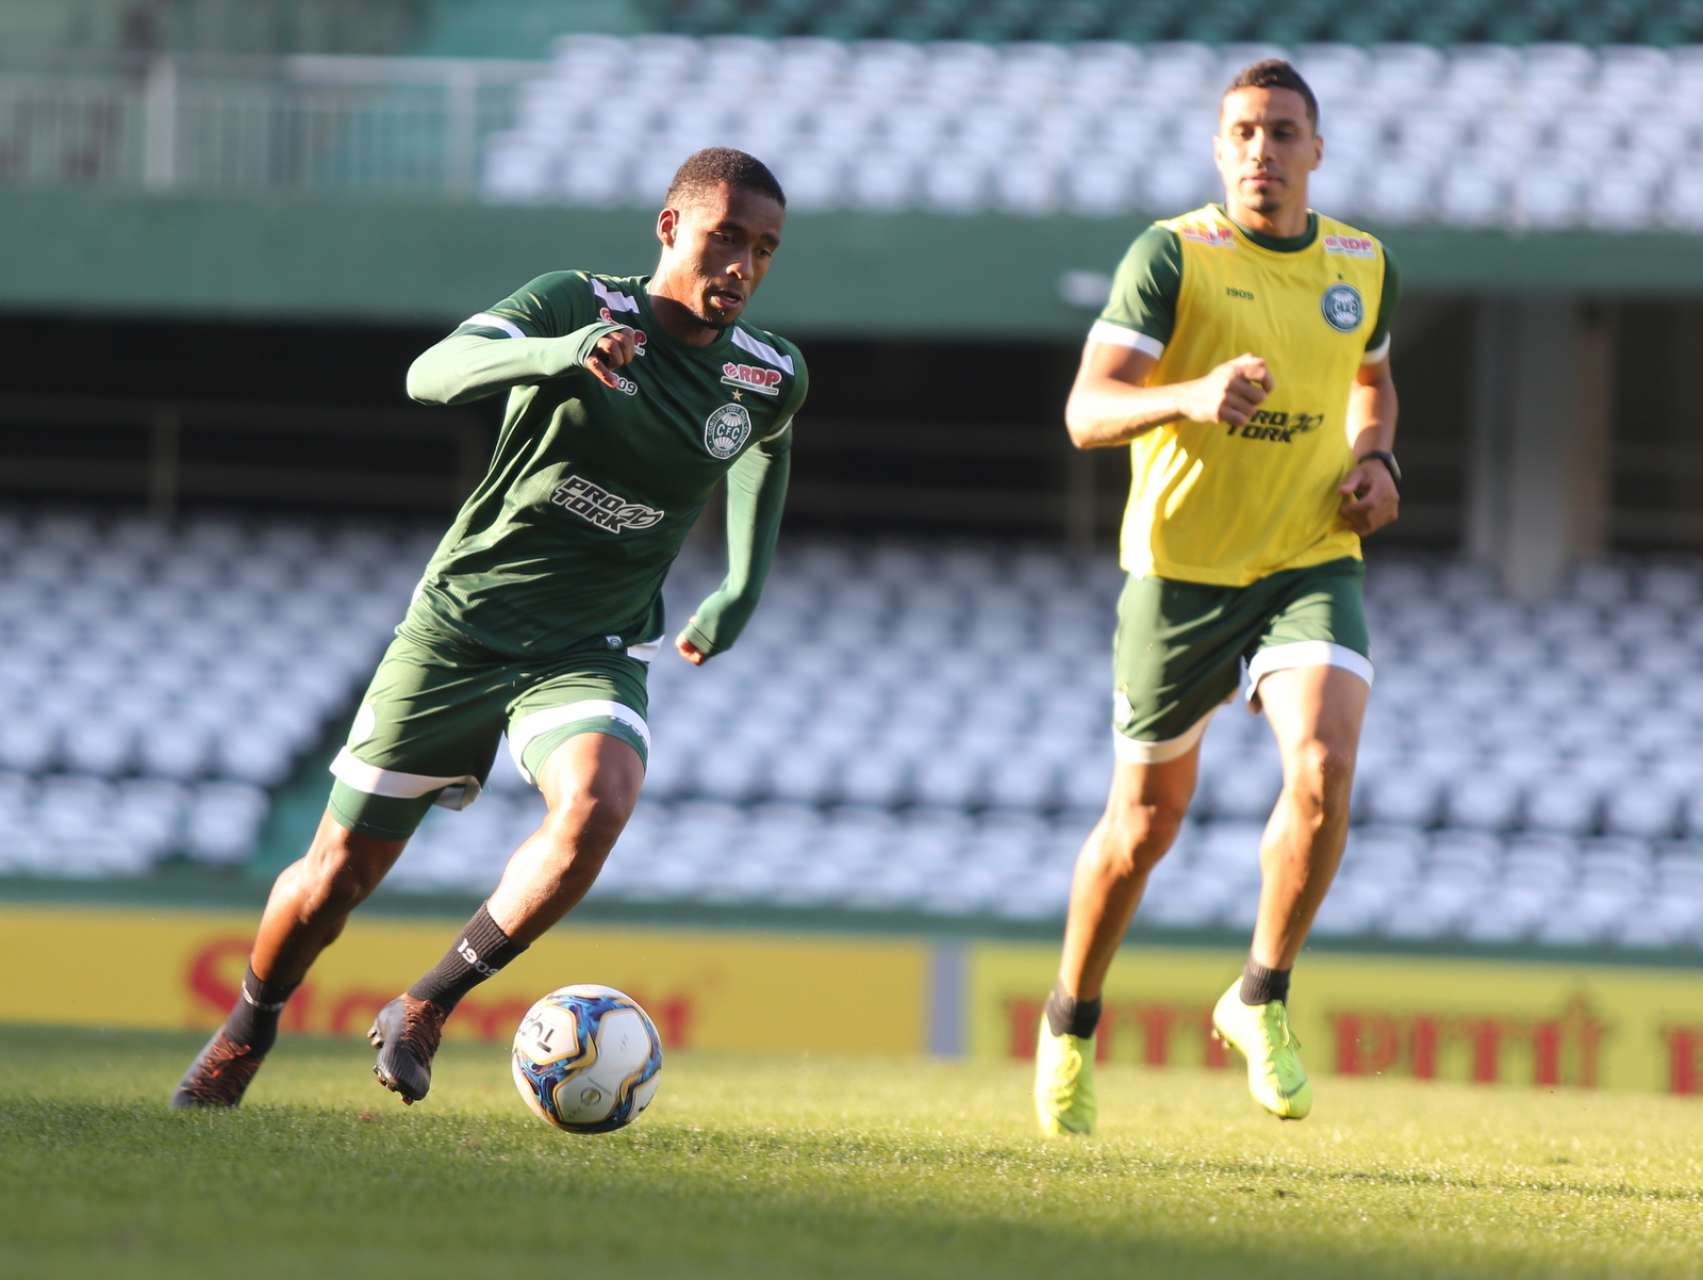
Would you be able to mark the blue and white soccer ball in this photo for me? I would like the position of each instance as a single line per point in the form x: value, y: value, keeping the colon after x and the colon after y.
x: 587, y: 1059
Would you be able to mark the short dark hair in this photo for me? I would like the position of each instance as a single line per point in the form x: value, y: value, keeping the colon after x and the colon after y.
x: 1275, y: 73
x: 714, y: 165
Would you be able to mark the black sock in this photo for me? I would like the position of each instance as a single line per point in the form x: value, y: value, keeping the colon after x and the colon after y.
x: 253, y: 1019
x: 483, y: 949
x: 1066, y: 1015
x: 1261, y: 985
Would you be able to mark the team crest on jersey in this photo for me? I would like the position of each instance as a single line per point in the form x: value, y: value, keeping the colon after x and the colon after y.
x: 726, y: 429
x: 1342, y: 308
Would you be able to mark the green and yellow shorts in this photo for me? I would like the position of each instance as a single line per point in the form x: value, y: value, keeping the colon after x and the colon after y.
x: 427, y: 729
x: 1181, y: 647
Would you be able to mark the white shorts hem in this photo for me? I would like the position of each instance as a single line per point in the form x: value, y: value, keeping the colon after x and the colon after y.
x: 523, y: 732
x: 1305, y: 653
x: 1132, y: 751
x: 456, y: 792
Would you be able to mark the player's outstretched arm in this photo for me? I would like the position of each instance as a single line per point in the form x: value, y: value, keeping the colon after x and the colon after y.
x: 1371, y: 497
x: 756, y: 497
x: 1111, y: 405
x: 468, y: 366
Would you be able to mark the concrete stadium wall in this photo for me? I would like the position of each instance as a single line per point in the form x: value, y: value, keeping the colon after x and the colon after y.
x: 839, y: 274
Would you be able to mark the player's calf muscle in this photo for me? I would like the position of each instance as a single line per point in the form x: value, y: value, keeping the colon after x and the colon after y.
x: 338, y: 873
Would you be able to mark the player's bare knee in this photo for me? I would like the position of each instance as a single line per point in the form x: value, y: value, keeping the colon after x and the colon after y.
x: 588, y: 820
x: 1320, y: 774
x: 340, y: 870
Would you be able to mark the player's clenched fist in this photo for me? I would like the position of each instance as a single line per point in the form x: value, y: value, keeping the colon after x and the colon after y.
x: 613, y: 350
x: 1229, y: 393
x: 689, y: 651
x: 1370, y: 499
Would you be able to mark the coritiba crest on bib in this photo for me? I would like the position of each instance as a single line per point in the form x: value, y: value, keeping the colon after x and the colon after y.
x: 1342, y: 307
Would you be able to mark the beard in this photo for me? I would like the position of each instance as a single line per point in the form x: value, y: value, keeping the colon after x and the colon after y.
x: 1265, y: 200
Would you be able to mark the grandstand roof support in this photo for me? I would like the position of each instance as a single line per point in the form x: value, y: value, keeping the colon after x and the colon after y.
x: 1543, y: 397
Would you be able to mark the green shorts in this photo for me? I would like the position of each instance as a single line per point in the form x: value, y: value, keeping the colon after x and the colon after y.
x: 427, y: 729
x: 1180, y: 647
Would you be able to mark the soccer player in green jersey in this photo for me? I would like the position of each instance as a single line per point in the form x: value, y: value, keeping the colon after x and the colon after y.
x: 1243, y: 359
x: 629, y: 398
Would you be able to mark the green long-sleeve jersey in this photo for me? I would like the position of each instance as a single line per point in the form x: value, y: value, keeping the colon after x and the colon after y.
x: 591, y: 490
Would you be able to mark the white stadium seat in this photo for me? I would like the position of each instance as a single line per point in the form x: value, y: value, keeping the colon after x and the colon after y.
x: 890, y: 125
x: 1509, y: 790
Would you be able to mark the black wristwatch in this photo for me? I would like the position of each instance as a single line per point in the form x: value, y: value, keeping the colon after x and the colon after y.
x: 1390, y: 464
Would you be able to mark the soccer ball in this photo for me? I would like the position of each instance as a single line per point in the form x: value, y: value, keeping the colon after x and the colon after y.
x: 586, y: 1059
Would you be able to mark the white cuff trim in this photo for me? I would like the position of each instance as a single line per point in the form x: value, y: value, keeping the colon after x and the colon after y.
x: 485, y: 320
x: 1130, y: 751
x: 1305, y: 653
x: 645, y: 652
x: 1379, y: 353
x: 524, y: 731
x: 394, y: 784
x: 1115, y: 335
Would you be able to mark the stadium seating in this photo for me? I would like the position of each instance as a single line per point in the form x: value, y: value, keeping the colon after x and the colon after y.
x: 1524, y: 777
x: 908, y: 727
x: 944, y: 107
x: 28, y: 27
x: 1513, y: 22
x: 156, y: 683
x: 1100, y: 128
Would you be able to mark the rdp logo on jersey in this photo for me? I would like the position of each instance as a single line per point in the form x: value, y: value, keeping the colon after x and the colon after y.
x: 1353, y: 246
x: 725, y: 430
x: 596, y: 505
x: 1216, y: 237
x: 765, y: 382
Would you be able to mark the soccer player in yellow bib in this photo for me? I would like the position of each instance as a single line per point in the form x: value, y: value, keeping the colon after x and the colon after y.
x: 1244, y: 359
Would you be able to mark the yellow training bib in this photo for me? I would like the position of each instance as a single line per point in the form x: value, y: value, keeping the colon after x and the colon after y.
x: 1229, y: 505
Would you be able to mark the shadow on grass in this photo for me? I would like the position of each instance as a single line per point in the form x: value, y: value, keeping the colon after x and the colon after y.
x: 122, y: 1187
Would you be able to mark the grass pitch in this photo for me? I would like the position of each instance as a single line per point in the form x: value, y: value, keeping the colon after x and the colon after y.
x: 807, y: 1168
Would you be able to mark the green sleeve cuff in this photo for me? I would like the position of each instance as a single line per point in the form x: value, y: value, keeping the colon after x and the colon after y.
x: 466, y: 366
x: 581, y: 342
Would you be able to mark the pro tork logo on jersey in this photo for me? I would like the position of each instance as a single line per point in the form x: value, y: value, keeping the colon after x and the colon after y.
x: 725, y: 430
x: 1342, y: 307
x: 596, y: 505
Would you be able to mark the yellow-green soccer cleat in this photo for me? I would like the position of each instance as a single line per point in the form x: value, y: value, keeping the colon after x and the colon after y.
x: 1276, y: 1077
x: 1064, y: 1082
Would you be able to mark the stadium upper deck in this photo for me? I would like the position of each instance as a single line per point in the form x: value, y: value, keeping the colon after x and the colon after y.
x: 1108, y: 129
x: 1652, y: 22
x: 1095, y: 130
x: 29, y: 27
x: 515, y: 28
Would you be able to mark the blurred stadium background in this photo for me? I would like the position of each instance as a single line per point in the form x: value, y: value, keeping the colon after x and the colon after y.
x: 230, y: 224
